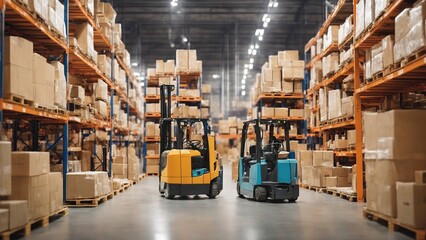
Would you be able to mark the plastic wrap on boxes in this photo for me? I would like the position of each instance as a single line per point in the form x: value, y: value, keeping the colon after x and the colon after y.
x: 345, y: 29
x: 360, y: 13
x: 101, y: 90
x: 5, y: 169
x: 380, y: 6
x: 377, y: 58
x: 77, y: 94
x: 334, y: 104
x: 402, y: 24
x: 60, y: 93
x: 332, y: 36
x: 348, y: 106
x: 319, y: 46
x: 330, y: 63
x: 416, y: 35
x: 369, y: 12
x: 101, y: 108
x: 367, y: 65
x: 387, y: 45
x: 291, y: 55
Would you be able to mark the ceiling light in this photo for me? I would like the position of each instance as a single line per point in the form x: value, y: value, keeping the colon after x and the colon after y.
x: 174, y: 4
x: 184, y: 39
x: 265, y: 24
x: 251, y: 46
x: 260, y: 38
x: 251, y: 66
x: 257, y: 46
x: 135, y: 64
x: 254, y: 52
x: 250, y: 51
x: 265, y: 16
x: 262, y: 31
x: 246, y: 71
x: 275, y: 4
x: 251, y: 60
x: 216, y: 76
x: 243, y: 81
x: 246, y: 65
x: 271, y: 4
x: 243, y: 93
x: 137, y: 74
x: 243, y: 86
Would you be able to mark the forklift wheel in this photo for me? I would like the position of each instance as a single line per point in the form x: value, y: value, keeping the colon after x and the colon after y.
x: 292, y: 200
x: 238, y: 190
x: 159, y: 189
x: 166, y: 192
x: 213, y: 190
x: 260, y: 194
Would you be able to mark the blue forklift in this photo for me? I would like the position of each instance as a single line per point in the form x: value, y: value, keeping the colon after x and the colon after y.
x: 269, y: 171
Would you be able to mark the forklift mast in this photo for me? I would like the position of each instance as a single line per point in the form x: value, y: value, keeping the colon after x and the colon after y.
x: 166, y: 120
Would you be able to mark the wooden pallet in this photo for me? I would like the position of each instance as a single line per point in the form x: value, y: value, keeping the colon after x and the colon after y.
x: 15, y: 98
x: 39, y: 222
x: 313, y: 188
x: 342, y: 193
x: 90, y: 202
x: 410, y: 58
x: 152, y: 174
x: 393, y: 224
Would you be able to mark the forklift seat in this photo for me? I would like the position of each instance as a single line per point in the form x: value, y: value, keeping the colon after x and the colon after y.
x: 271, y: 160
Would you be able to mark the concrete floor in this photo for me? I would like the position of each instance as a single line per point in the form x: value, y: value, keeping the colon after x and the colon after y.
x: 140, y: 213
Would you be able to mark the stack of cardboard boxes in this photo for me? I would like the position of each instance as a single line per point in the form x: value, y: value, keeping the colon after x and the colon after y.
x: 394, y: 151
x: 126, y: 168
x: 317, y: 169
x: 232, y: 125
x: 283, y: 73
x: 87, y: 185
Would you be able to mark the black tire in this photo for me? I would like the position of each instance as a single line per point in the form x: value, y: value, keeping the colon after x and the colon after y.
x: 214, y: 190
x: 166, y: 193
x: 292, y: 200
x: 159, y: 189
x: 238, y: 190
x: 260, y: 194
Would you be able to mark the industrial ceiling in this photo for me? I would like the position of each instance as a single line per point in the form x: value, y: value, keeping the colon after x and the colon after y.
x: 221, y: 31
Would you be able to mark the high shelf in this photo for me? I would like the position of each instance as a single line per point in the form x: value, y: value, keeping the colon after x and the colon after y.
x: 402, y: 76
x: 18, y: 20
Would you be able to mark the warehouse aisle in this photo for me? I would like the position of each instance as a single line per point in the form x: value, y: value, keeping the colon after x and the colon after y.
x: 140, y: 213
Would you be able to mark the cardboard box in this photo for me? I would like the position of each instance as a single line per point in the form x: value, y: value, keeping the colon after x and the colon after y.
x: 159, y: 67
x: 83, y: 185
x: 340, y: 172
x: 281, y: 112
x: 152, y: 169
x: 224, y: 126
x: 287, y: 86
x: 387, y: 46
x: 18, y: 215
x: 340, y: 143
x: 296, y: 113
x: 336, y: 182
x: 4, y: 220
x: 77, y: 93
x: 55, y: 192
x: 84, y: 36
x: 420, y: 177
x: 298, y: 86
x: 35, y: 190
x: 285, y: 56
x: 306, y: 158
x: 381, y: 177
x: 150, y: 129
x: 119, y: 170
x: 101, y: 108
x: 30, y: 163
x: 192, y: 60
x: 348, y: 106
x: 351, y: 136
x: 319, y: 176
x: 411, y: 204
x: 387, y: 131
x: 169, y: 67
x: 323, y: 159
x: 182, y: 57
x: 268, y: 112
x: 5, y: 168
x: 206, y: 88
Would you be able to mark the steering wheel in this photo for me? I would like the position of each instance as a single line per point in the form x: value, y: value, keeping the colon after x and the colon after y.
x: 277, y: 143
x: 194, y: 144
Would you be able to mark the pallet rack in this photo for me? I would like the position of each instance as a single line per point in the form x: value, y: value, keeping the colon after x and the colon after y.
x: 400, y: 79
x: 320, y: 134
x: 21, y: 21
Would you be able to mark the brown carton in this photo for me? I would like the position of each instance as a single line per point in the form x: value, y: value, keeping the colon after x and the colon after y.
x: 319, y: 176
x: 268, y: 112
x: 381, y: 177
x: 306, y: 158
x: 5, y: 169
x: 159, y: 67
x: 336, y: 182
x: 119, y: 169
x: 4, y: 220
x: 17, y: 213
x: 30, y: 163
x: 411, y: 204
x: 55, y: 192
x: 341, y: 171
x: 35, y: 190
x: 284, y: 56
x: 82, y: 185
x: 192, y: 60
x: 296, y: 113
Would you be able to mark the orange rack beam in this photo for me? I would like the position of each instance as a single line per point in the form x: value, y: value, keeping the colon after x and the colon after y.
x: 337, y: 17
x: 338, y: 77
x: 14, y: 110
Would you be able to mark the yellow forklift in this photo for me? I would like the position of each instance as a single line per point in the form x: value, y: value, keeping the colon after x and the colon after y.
x: 187, y: 167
